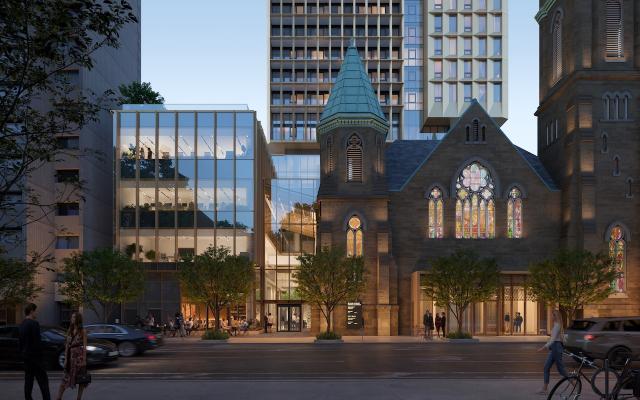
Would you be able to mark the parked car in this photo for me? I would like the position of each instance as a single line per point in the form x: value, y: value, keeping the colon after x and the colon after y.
x: 611, y: 338
x: 130, y: 340
x: 53, y: 341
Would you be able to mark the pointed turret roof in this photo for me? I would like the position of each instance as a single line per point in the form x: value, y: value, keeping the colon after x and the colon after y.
x: 352, y: 100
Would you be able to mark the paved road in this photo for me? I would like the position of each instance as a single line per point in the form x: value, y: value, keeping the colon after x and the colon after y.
x: 193, y: 369
x: 195, y: 359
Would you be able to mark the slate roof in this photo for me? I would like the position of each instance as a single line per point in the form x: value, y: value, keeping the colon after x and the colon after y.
x: 403, y: 157
x: 352, y: 92
x: 535, y: 163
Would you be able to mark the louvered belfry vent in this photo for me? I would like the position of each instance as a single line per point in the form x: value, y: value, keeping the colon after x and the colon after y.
x: 330, y: 155
x: 614, y: 29
x: 354, y: 159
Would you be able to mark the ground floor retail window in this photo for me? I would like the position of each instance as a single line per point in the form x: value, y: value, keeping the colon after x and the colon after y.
x: 511, y: 311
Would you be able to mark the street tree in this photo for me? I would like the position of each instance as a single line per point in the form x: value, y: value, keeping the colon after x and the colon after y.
x: 139, y: 93
x: 461, y: 279
x: 572, y: 279
x: 217, y: 278
x: 43, y: 44
x: 101, y: 280
x: 329, y: 278
x: 17, y: 281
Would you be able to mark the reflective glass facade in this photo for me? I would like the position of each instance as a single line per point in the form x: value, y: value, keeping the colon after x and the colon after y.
x: 290, y: 230
x: 185, y: 180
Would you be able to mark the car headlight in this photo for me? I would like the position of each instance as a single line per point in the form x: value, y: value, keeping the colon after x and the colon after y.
x: 93, y: 348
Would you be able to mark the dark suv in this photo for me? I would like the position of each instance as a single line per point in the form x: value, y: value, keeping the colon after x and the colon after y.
x: 612, y: 338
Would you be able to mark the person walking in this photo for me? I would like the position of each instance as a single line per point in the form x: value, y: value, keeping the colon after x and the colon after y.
x: 75, y: 361
x: 438, y: 324
x: 427, y: 320
x: 443, y: 324
x: 31, y: 351
x: 507, y: 323
x: 555, y: 348
x: 518, y: 322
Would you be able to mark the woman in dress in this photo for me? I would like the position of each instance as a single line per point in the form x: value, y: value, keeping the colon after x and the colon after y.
x: 75, y: 361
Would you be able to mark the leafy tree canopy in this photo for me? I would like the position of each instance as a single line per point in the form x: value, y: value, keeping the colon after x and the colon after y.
x: 461, y: 279
x: 329, y: 278
x: 139, y: 93
x: 573, y: 279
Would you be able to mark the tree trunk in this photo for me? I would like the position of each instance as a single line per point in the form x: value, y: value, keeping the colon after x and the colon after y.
x: 217, y: 316
x: 328, y: 318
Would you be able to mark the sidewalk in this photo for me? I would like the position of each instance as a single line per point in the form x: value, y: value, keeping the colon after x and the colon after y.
x: 281, y: 338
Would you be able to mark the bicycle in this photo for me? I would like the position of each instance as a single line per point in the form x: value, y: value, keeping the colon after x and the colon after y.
x: 570, y: 387
x: 628, y: 384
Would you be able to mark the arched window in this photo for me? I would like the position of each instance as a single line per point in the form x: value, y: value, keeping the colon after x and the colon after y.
x: 330, y: 163
x: 629, y: 187
x: 607, y: 107
x: 514, y: 214
x: 354, y: 237
x: 484, y: 133
x: 605, y: 143
x: 475, y: 208
x: 468, y: 134
x: 618, y: 254
x: 614, y: 31
x: 354, y: 159
x: 556, y: 38
x: 625, y: 107
x: 616, y: 166
x: 435, y: 213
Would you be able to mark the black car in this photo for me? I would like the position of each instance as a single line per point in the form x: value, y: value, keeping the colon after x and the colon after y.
x: 130, y: 340
x: 53, y: 340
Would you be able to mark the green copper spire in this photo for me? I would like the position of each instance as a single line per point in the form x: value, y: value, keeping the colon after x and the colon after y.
x: 352, y: 101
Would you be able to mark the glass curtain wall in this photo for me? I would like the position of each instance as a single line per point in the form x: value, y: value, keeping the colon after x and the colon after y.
x: 185, y: 181
x: 291, y: 230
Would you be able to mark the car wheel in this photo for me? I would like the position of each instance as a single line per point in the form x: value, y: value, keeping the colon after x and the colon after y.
x: 127, y: 349
x: 618, y: 356
x: 61, y: 358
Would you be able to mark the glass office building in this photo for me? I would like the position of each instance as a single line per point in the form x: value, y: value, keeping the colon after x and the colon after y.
x: 290, y: 220
x: 186, y: 179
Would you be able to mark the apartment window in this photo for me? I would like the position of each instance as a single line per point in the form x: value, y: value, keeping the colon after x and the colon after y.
x: 453, y: 4
x: 482, y: 4
x: 482, y: 69
x: 468, y: 93
x: 437, y: 23
x: 437, y: 4
x: 437, y: 92
x: 482, y: 47
x: 482, y: 93
x: 497, y: 23
x: 453, y: 24
x: 468, y: 26
x: 614, y: 30
x: 437, y: 46
x: 67, y: 242
x: 482, y: 23
x: 497, y: 93
x: 497, y: 4
x: 66, y: 209
x: 453, y: 69
x: 437, y: 69
x: 67, y: 175
x: 453, y: 92
x: 453, y: 46
x: 467, y: 70
x: 497, y: 70
x: 68, y: 142
x: 497, y: 46
x: 468, y: 4
x: 467, y: 46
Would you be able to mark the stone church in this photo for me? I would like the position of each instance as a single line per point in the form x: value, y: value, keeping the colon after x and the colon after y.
x: 402, y: 204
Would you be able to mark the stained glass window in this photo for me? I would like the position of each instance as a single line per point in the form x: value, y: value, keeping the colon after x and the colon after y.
x: 475, y: 209
x: 514, y: 214
x: 354, y: 237
x: 617, y: 252
x: 435, y: 214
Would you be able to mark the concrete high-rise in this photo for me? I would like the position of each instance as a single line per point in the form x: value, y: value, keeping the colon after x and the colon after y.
x: 427, y: 59
x: 84, y: 219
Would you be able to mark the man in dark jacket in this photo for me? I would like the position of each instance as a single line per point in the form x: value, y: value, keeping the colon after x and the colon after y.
x: 31, y: 351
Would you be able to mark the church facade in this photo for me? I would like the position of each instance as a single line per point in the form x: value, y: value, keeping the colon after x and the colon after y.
x: 403, y: 204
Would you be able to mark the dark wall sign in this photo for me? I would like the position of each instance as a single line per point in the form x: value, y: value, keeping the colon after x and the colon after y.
x: 354, y: 315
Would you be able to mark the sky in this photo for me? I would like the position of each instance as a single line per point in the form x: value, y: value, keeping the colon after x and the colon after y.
x: 215, y: 52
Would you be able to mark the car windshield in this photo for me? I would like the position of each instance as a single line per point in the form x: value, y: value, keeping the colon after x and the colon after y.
x: 581, y: 325
x: 54, y: 334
